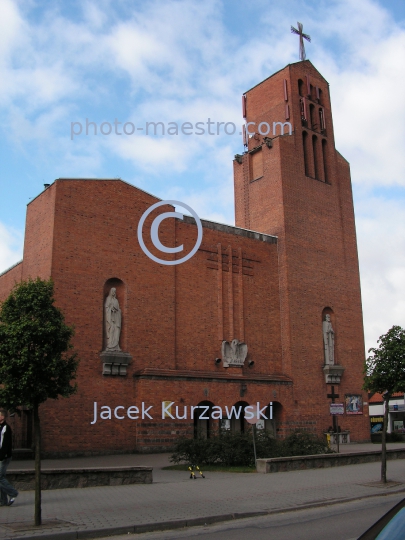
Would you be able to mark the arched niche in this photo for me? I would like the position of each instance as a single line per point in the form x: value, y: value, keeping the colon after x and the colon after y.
x: 329, y: 311
x: 115, y: 359
x: 333, y: 371
x: 237, y: 421
x: 203, y: 427
x: 272, y: 425
x: 120, y: 289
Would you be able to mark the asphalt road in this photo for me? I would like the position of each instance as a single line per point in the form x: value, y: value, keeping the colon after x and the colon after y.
x: 345, y: 521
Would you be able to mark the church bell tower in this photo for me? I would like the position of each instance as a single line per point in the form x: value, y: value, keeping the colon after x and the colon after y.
x: 291, y: 182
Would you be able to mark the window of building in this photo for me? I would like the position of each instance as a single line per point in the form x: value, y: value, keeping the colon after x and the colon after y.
x: 303, y: 105
x: 312, y: 116
x: 322, y: 119
x: 316, y: 157
x: 203, y: 427
x: 325, y: 160
x: 305, y: 149
x: 301, y: 87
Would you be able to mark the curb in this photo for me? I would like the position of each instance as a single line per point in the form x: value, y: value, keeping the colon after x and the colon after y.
x: 183, y: 523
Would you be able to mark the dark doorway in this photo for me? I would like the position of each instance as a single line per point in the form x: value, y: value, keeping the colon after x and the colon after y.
x: 203, y: 420
x: 238, y: 422
x: 272, y: 424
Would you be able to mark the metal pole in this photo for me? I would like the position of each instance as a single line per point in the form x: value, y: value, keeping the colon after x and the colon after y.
x: 254, y: 442
x: 337, y: 429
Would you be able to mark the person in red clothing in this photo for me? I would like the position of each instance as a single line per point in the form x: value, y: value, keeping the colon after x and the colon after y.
x: 7, y: 492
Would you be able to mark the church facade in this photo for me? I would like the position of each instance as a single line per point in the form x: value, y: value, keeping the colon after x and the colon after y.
x: 265, y: 319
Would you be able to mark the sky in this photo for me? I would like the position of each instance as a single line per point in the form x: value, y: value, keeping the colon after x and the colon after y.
x: 126, y: 61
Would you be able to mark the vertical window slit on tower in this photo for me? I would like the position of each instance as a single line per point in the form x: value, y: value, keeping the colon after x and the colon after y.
x: 316, y: 157
x: 303, y: 109
x: 285, y: 90
x: 287, y: 112
x: 325, y: 163
x: 312, y: 116
x: 305, y: 148
x: 322, y: 119
x: 300, y: 87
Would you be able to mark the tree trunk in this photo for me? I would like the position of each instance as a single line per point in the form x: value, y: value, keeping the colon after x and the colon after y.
x: 37, y: 436
x: 384, y: 439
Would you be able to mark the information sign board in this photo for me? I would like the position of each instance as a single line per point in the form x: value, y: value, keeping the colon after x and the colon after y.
x: 337, y: 408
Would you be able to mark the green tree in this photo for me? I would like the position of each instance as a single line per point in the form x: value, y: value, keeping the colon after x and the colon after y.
x: 384, y: 372
x: 36, y: 358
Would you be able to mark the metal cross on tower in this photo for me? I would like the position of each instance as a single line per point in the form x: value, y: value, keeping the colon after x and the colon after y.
x: 302, y: 36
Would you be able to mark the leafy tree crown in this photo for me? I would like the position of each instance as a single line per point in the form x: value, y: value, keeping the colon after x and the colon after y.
x: 36, y: 357
x: 384, y: 369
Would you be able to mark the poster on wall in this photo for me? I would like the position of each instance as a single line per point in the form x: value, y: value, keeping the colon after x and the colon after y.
x: 353, y: 404
x: 376, y: 423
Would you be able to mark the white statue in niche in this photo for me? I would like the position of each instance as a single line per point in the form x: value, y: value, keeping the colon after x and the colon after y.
x: 328, y: 340
x: 112, y: 321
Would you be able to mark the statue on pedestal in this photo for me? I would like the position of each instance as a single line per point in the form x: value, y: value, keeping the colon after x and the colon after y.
x: 112, y: 321
x: 329, y: 341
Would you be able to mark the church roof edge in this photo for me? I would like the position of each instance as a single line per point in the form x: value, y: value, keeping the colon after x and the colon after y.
x: 99, y: 180
x: 231, y: 229
x: 278, y: 71
x: 11, y: 267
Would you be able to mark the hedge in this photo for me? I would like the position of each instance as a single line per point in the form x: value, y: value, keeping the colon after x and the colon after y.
x: 236, y: 449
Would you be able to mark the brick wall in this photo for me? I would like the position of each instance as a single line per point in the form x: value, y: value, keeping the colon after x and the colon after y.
x: 9, y: 279
x: 172, y: 316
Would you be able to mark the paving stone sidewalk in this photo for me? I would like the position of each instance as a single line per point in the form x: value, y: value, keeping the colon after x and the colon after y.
x: 92, y: 512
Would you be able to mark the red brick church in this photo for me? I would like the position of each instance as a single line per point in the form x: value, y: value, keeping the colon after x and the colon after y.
x: 268, y: 311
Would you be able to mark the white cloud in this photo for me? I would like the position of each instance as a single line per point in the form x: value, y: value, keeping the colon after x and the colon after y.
x: 152, y: 154
x: 11, y: 247
x: 381, y: 241
x: 12, y: 29
x: 369, y: 115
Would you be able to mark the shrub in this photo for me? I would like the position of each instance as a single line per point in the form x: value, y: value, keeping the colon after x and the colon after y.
x: 303, y: 444
x: 192, y: 451
x: 233, y: 449
x: 236, y: 449
x: 395, y: 436
x: 266, y: 444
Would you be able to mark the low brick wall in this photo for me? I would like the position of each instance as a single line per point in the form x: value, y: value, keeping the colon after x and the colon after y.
x: 321, y: 461
x: 24, y: 480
